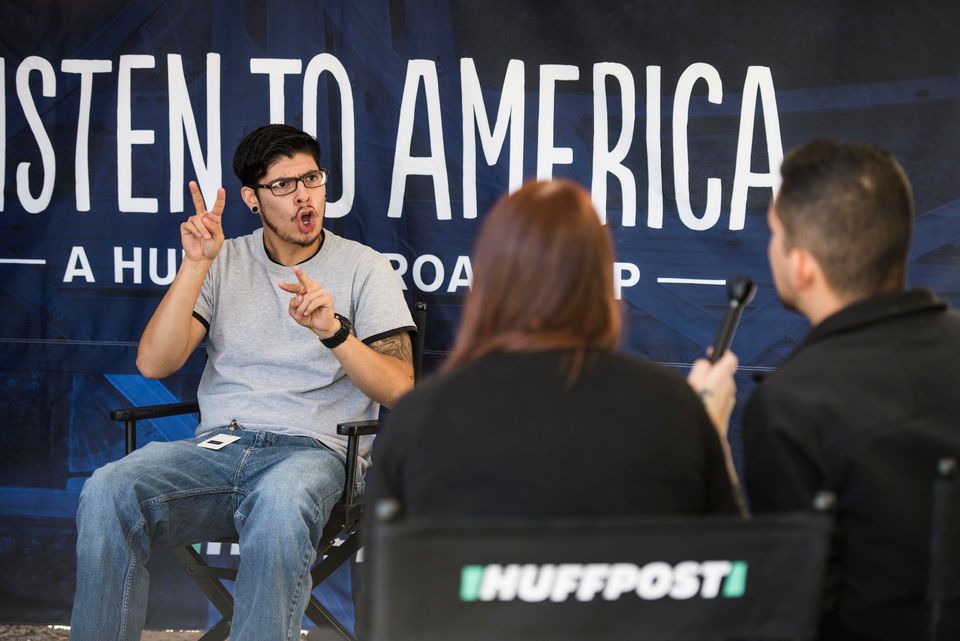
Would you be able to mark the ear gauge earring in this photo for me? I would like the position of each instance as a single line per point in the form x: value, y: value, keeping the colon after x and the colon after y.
x: 255, y: 209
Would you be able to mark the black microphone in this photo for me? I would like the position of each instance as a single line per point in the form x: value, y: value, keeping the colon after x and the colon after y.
x: 740, y: 291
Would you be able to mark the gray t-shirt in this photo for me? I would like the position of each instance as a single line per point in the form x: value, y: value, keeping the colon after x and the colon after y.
x: 268, y: 372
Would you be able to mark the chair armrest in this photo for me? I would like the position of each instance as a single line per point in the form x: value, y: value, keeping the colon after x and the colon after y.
x: 130, y: 416
x: 359, y: 428
x: 353, y: 430
x: 153, y: 411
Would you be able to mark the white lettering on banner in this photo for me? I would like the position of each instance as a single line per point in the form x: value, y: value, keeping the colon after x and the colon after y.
x: 276, y: 69
x: 135, y: 264
x: 462, y: 275
x: 547, y: 154
x: 311, y: 81
x: 758, y: 80
x: 610, y: 161
x: 509, y: 114
x: 437, y: 281
x: 127, y: 136
x: 624, y: 275
x: 155, y: 276
x: 78, y: 265
x: 81, y: 162
x: 654, y: 152
x: 614, y: 115
x: 405, y: 165
x: 180, y: 118
x: 681, y: 162
x: 48, y: 87
x: 428, y: 273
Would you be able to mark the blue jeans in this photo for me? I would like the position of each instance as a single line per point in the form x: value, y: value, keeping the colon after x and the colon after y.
x: 275, y: 491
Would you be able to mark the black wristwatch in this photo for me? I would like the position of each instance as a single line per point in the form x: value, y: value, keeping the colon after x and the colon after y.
x: 341, y: 335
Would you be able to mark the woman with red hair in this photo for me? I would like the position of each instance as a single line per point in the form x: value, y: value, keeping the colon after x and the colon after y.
x: 534, y: 412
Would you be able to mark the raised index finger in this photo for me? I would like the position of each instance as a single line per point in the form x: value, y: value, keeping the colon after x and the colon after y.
x: 303, y: 278
x: 197, y: 197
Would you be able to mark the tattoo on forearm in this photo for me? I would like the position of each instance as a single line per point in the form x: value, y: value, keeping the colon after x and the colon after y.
x: 397, y: 346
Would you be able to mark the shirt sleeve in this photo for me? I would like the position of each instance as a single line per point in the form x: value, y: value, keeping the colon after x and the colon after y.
x: 380, y: 308
x: 783, y: 469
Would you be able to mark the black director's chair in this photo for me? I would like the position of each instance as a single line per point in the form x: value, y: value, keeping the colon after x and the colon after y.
x: 651, y: 579
x: 340, y: 539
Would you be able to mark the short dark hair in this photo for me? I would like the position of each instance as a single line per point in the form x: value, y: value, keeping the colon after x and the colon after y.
x: 261, y: 148
x: 851, y: 206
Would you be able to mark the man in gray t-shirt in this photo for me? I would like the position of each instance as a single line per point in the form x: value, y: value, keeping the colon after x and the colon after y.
x: 304, y: 330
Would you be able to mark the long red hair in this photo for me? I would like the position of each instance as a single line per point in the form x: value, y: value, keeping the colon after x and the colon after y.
x: 542, y: 277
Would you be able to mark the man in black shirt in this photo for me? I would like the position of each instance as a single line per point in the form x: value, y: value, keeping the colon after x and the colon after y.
x: 868, y: 402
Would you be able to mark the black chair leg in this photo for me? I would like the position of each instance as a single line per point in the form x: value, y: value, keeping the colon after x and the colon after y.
x: 333, y: 558
x: 219, y: 632
x: 320, y: 615
x: 214, y: 590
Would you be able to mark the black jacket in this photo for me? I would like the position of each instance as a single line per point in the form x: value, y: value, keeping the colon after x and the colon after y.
x: 508, y: 435
x: 864, y: 407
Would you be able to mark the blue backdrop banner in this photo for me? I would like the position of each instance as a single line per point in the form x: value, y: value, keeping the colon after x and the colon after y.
x: 674, y: 115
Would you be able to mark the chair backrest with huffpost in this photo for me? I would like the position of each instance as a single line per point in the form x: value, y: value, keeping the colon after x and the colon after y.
x: 651, y: 578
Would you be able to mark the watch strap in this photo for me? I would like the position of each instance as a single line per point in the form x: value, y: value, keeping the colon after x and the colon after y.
x: 341, y: 334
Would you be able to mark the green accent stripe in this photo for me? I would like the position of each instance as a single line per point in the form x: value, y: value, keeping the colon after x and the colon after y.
x: 736, y: 583
x: 471, y: 576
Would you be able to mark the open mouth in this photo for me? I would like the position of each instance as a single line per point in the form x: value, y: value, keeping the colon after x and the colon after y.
x: 306, y: 221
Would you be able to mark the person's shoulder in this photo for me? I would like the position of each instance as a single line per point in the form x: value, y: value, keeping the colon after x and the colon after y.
x: 352, y: 248
x: 431, y: 393
x: 443, y: 388
x: 789, y: 399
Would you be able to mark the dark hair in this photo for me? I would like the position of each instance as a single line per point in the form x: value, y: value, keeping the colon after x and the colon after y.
x: 261, y: 147
x: 542, y: 277
x: 851, y: 206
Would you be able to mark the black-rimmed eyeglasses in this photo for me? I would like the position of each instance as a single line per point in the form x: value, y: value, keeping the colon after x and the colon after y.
x: 288, y: 185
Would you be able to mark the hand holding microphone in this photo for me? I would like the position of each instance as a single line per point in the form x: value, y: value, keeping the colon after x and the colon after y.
x: 740, y: 291
x: 713, y: 379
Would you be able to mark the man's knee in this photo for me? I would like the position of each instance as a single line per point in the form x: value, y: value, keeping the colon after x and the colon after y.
x: 110, y: 487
